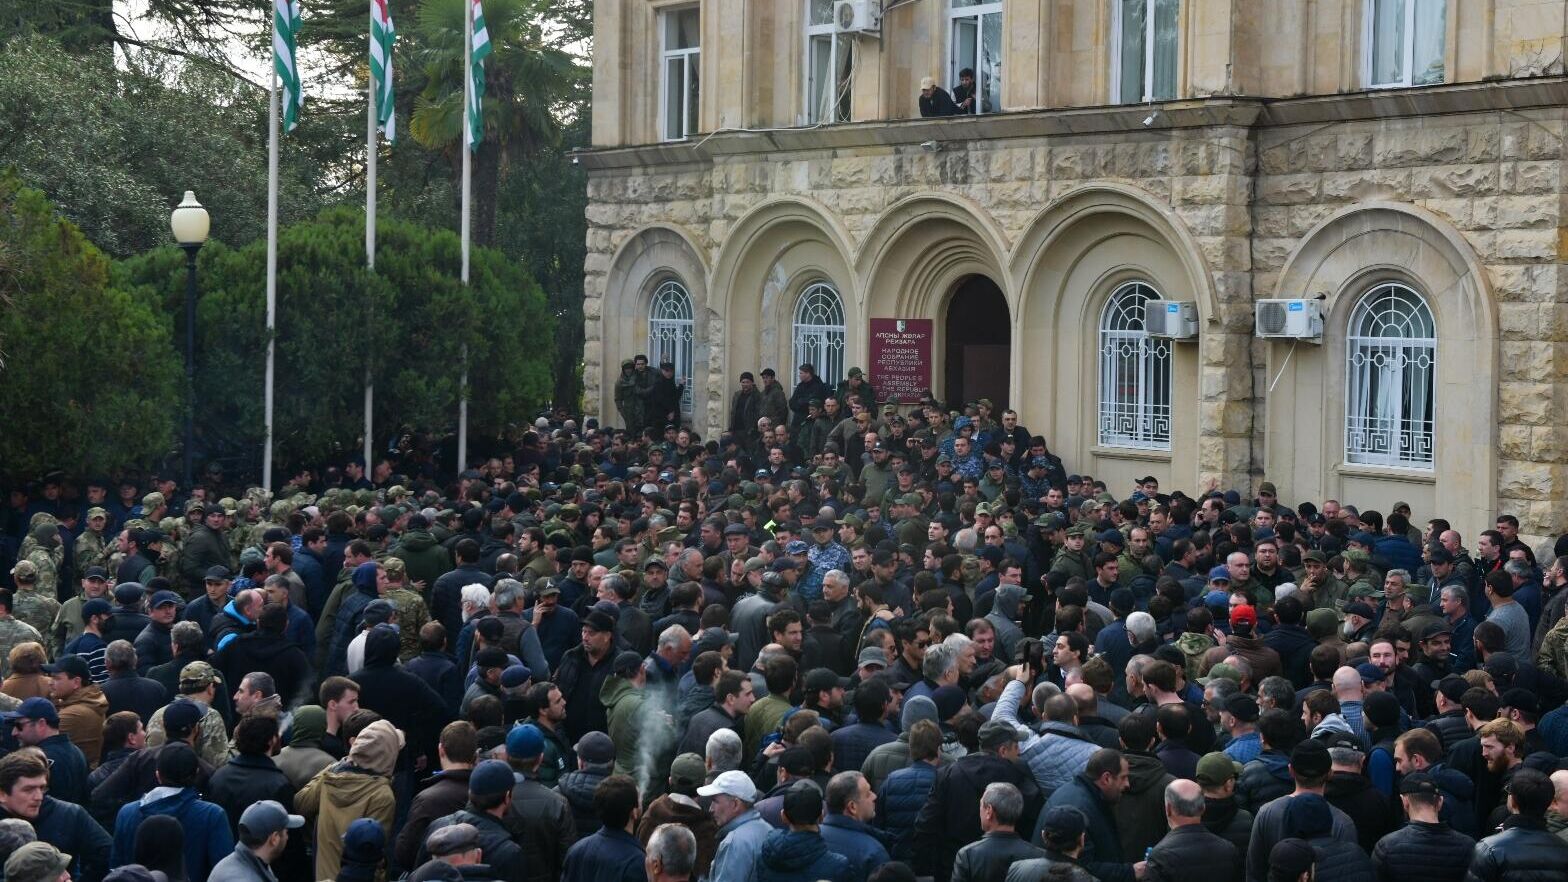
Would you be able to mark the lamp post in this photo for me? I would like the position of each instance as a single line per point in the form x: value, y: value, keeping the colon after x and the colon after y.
x: 190, y: 224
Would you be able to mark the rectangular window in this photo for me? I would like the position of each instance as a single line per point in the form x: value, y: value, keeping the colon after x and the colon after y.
x: 1143, y: 63
x: 680, y: 52
x: 975, y: 35
x: 829, y: 65
x: 1404, y: 45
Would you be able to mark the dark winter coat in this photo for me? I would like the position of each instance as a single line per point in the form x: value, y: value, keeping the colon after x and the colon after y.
x: 68, y: 827
x: 496, y: 846
x: 1264, y: 779
x: 1192, y: 852
x: 541, y: 821
x: 1423, y: 852
x: 1140, y: 813
x: 208, y: 838
x: 1102, y: 854
x: 247, y: 779
x: 950, y: 819
x: 803, y: 856
x: 1523, y: 852
x: 578, y: 786
x: 128, y: 692
x: 606, y: 856
x: 989, y: 859
x: 899, y: 801
x: 1354, y: 795
x: 401, y: 698
x: 445, y: 792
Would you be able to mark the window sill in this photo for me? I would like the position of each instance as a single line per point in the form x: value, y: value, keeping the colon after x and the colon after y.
x: 1386, y: 473
x: 1132, y: 453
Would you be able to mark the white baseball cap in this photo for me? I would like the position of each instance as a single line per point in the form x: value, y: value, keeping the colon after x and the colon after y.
x: 736, y: 784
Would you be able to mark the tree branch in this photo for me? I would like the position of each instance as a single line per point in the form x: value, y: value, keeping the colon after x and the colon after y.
x: 199, y: 59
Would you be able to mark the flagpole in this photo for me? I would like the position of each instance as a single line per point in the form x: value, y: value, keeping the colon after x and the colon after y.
x: 370, y: 241
x: 272, y: 255
x: 468, y: 170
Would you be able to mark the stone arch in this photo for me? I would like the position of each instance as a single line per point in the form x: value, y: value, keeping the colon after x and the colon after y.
x: 1069, y: 261
x: 646, y: 259
x: 1338, y: 261
x: 767, y: 260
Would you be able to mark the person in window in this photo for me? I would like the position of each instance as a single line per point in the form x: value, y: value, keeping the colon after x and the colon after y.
x: 964, y: 94
x: 934, y: 100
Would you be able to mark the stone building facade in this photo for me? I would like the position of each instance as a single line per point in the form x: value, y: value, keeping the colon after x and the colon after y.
x: 1263, y: 168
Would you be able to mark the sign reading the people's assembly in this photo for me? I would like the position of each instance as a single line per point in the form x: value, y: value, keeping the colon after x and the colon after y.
x: 901, y: 358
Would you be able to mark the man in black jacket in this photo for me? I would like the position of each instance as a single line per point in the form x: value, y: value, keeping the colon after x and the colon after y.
x: 989, y: 859
x: 1425, y: 849
x: 663, y: 398
x: 139, y: 773
x: 403, y: 699
x: 446, y: 598
x: 250, y: 775
x: 950, y: 819
x: 444, y: 792
x: 489, y: 800
x: 540, y: 818
x: 1189, y: 850
x: 810, y: 388
x: 189, y: 643
x: 267, y: 649
x: 1524, y: 849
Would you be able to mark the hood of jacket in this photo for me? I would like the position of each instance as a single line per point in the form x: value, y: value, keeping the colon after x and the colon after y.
x: 167, y: 800
x: 1452, y: 781
x: 364, y: 577
x: 347, y: 787
x: 1245, y: 644
x: 791, y: 851
x: 381, y: 646
x: 1343, y: 785
x: 309, y: 726
x: 1276, y: 763
x: 1145, y: 772
x: 1218, y: 812
x: 1194, y: 644
x: 89, y: 696
x: 616, y: 690
x: 1007, y: 600
x: 418, y: 540
x: 234, y: 611
x: 377, y: 748
x: 1333, y: 724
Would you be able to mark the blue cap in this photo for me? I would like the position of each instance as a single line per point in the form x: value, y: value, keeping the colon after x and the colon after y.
x: 162, y: 597
x: 1364, y: 538
x: 962, y: 422
x: 516, y: 675
x: 1370, y: 673
x: 1220, y: 574
x: 1216, y: 598
x: 524, y: 742
x: 35, y: 708
x: 1112, y: 536
x: 96, y: 607
x: 364, y: 842
x: 796, y: 546
x: 493, y: 777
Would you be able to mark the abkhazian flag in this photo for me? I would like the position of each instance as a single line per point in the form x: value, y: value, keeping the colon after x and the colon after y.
x: 285, y: 30
x: 382, y: 36
x: 478, y: 50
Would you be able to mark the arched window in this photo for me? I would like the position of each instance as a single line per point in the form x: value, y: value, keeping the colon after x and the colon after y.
x: 819, y: 332
x: 1135, y: 374
x: 1390, y: 366
x: 670, y: 333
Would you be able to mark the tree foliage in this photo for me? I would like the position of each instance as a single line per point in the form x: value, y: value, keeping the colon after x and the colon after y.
x: 408, y: 323
x: 89, y: 379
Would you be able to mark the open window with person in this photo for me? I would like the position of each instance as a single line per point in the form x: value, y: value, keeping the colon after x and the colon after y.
x: 975, y: 55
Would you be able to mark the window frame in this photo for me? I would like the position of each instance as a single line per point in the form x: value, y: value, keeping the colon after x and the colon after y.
x: 977, y: 11
x: 1147, y: 408
x: 813, y: 115
x: 1407, y: 46
x: 1355, y: 344
x: 830, y: 369
x: 678, y: 330
x: 691, y: 61
x: 1146, y: 93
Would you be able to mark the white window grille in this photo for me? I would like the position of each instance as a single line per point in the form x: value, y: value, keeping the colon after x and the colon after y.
x: 1391, y: 365
x: 670, y: 334
x: 1135, y: 374
x: 1404, y: 43
x: 680, y: 54
x: 819, y: 332
x: 829, y: 65
x: 1143, y: 53
x: 975, y: 44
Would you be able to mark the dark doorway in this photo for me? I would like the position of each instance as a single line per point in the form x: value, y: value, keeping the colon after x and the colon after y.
x: 979, y: 334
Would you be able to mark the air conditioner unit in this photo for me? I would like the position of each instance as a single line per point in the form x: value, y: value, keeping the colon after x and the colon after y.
x: 1290, y: 319
x: 1171, y: 319
x: 858, y: 16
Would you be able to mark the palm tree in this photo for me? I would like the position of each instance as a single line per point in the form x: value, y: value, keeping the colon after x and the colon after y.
x: 531, y: 84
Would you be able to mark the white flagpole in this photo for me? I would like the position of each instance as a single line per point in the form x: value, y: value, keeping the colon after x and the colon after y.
x: 272, y: 255
x: 468, y: 170
x: 370, y: 235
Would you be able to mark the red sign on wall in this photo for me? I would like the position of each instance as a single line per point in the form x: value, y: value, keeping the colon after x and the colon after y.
x: 901, y: 359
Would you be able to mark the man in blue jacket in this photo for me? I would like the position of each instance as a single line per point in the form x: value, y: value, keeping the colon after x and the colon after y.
x: 208, y: 838
x: 847, y: 828
x: 1095, y: 792
x: 799, y: 853
x: 741, y: 829
x: 613, y: 854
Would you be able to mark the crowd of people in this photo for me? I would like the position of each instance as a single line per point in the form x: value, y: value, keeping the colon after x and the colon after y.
x: 843, y: 641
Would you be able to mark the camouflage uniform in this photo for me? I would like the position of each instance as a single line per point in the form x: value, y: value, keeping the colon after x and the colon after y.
x: 92, y: 547
x: 212, y: 736
x: 411, y: 611
x: 12, y: 633
x: 30, y: 605
x: 169, y: 557
x: 46, y: 556
x: 1552, y: 657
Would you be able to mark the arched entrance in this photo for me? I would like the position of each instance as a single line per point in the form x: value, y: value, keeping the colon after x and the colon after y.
x: 977, y: 331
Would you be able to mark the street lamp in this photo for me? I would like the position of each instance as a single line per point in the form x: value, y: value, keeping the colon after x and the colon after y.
x: 190, y: 224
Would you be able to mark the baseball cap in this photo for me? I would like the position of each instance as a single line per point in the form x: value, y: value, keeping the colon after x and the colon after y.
x: 1520, y: 699
x: 1452, y: 686
x: 1221, y: 671
x: 197, y: 675
x: 688, y: 769
x: 217, y: 574
x: 452, y: 839
x: 181, y: 715
x: 1220, y: 574
x: 1064, y: 821
x: 1310, y: 759
x: 96, y: 607
x: 524, y: 741
x: 796, y: 546
x: 379, y: 611
x: 819, y: 679
x: 803, y: 803
x: 994, y: 733
x: 626, y: 664
x: 490, y: 657
x: 35, y: 708
x: 736, y: 784
x: 71, y: 666
x: 1215, y: 769
x: 1418, y: 782
x: 599, y: 621
x: 494, y: 777
x: 596, y: 747
x: 516, y: 675
x: 872, y: 655
x: 162, y: 597
x: 1242, y: 706
x: 1290, y: 858
x: 1434, y: 629
x: 36, y: 861
x: 264, y: 818
x: 1370, y: 673
x: 1243, y: 613
x: 96, y: 574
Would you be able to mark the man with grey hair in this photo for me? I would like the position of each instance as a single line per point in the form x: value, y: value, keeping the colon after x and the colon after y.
x: 1140, y: 628
x: 988, y: 859
x: 722, y: 753
x: 632, y: 624
x: 671, y: 855
x: 519, y: 633
x: 1189, y: 850
x: 938, y: 668
x: 126, y: 690
x: 664, y: 663
x: 851, y: 807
